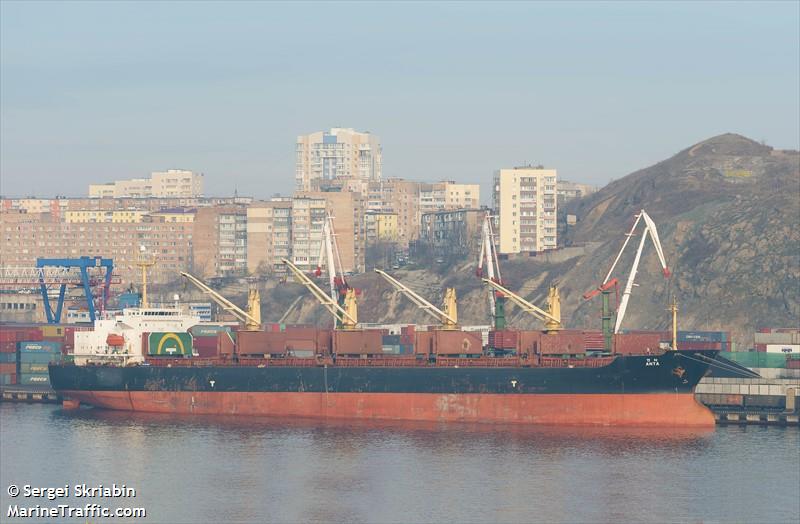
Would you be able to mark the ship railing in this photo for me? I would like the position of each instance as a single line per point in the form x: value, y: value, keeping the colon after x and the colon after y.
x: 591, y: 362
x: 492, y: 362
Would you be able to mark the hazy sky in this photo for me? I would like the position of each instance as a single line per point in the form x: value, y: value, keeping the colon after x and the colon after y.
x: 101, y: 91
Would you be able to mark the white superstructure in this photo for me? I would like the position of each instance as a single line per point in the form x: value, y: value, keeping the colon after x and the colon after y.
x: 118, y: 338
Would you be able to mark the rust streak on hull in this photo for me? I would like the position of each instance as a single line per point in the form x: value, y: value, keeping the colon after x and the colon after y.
x: 655, y: 409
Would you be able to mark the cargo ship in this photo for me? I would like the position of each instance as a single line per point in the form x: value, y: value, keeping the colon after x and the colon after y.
x: 438, y: 373
x: 447, y: 376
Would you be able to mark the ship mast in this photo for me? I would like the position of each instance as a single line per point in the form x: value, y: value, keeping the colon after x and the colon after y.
x: 143, y: 261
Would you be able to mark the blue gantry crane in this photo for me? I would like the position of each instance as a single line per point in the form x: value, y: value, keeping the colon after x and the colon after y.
x: 66, y: 267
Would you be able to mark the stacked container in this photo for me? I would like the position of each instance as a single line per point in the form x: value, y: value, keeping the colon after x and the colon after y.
x: 32, y: 360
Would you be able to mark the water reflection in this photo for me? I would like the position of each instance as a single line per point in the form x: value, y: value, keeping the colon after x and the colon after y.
x: 245, y: 469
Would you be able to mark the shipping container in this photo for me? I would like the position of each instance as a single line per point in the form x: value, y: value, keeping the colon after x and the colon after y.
x: 8, y: 379
x: 43, y: 346
x: 8, y: 357
x: 777, y: 338
x: 423, y: 342
x: 784, y: 348
x: 169, y: 344
x: 31, y: 367
x: 52, y: 331
x: 754, y: 359
x: 38, y: 358
x: 33, y: 379
x: 391, y: 340
x: 692, y: 344
x: 225, y: 344
x: 10, y: 368
x: 703, y: 336
x: 640, y: 343
x: 208, y: 330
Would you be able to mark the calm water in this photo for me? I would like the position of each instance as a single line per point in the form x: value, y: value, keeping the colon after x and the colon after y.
x: 229, y: 470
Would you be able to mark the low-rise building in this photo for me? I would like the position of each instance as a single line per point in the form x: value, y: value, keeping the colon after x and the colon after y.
x: 567, y: 190
x: 381, y: 226
x: 452, y: 233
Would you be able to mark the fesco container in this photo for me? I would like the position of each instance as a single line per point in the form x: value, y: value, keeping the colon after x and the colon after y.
x: 34, y: 379
x: 208, y: 330
x: 33, y: 367
x: 43, y: 346
x: 39, y: 358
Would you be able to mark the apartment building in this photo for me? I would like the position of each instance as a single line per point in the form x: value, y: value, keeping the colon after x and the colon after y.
x: 338, y: 153
x: 347, y: 209
x: 220, y: 241
x: 173, y: 183
x: 381, y: 226
x: 439, y: 196
x: 307, y: 219
x: 269, y: 233
x: 28, y: 236
x: 452, y: 232
x: 524, y: 199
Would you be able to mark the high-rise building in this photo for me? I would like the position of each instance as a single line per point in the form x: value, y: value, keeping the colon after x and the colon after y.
x: 220, y: 241
x: 173, y: 183
x: 524, y: 199
x: 347, y: 210
x: 338, y: 153
x: 269, y: 232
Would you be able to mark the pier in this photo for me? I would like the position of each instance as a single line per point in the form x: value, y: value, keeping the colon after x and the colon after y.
x: 760, y: 401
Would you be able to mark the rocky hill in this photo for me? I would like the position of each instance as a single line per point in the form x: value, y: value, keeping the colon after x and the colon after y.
x: 728, y: 213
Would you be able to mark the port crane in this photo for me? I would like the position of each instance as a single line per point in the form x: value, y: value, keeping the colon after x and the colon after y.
x: 447, y: 316
x: 488, y: 261
x: 346, y: 315
x: 251, y: 319
x: 331, y: 260
x: 609, y: 283
x: 85, y: 272
x: 551, y: 317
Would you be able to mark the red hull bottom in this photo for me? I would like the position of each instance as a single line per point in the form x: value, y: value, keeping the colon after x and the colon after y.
x: 600, y: 410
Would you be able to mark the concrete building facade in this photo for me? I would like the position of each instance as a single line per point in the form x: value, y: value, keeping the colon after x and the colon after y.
x: 269, y: 233
x: 524, y: 199
x: 567, y: 190
x: 338, y: 153
x: 28, y: 236
x: 173, y: 183
x: 452, y: 232
x: 220, y: 241
x: 439, y: 196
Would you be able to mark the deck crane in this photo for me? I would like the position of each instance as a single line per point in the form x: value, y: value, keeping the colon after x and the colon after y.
x: 251, y: 319
x: 447, y: 316
x: 488, y: 259
x: 346, y: 315
x: 329, y: 258
x: 551, y: 317
x: 609, y: 283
